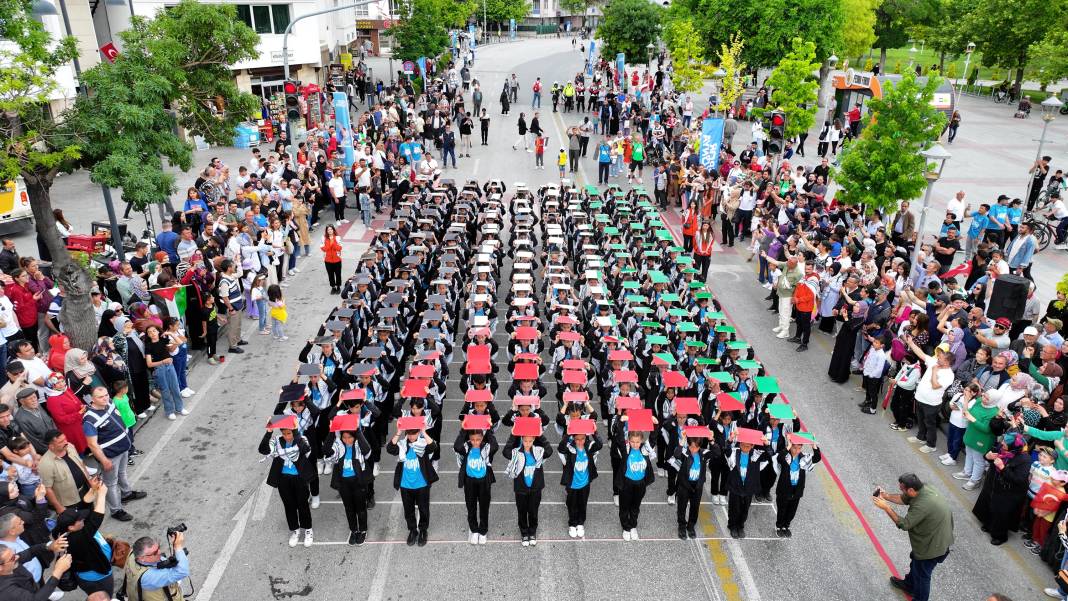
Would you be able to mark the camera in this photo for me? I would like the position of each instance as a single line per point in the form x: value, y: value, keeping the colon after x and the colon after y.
x: 176, y: 529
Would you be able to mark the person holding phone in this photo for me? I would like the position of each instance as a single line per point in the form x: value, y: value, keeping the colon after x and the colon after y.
x: 929, y: 522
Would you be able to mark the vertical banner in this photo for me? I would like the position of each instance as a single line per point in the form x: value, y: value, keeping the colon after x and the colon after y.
x: 589, y: 59
x: 343, y: 127
x: 421, y: 61
x: 471, y: 34
x: 455, y: 43
x: 621, y: 70
x: 711, y: 140
x: 511, y: 29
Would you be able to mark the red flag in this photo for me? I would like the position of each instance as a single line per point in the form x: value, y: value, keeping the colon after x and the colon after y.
x: 109, y: 51
x: 964, y: 268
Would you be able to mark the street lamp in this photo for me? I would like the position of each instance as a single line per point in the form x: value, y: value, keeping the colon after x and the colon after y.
x: 967, y: 61
x: 832, y: 61
x: 934, y: 157
x: 1050, y: 106
x: 912, y: 55
x: 649, y: 49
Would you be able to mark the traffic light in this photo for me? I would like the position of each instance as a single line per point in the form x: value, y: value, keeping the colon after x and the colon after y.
x: 777, y: 132
x: 292, y: 92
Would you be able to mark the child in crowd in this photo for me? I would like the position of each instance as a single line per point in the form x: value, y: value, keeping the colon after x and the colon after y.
x: 258, y: 293
x: 1045, y: 504
x: 211, y: 329
x: 561, y: 162
x: 121, y: 398
x: 278, y: 313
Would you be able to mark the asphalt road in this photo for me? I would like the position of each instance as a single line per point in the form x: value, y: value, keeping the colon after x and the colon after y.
x: 203, y: 469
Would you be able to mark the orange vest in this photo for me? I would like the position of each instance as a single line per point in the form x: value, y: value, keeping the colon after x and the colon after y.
x: 703, y: 246
x: 689, y: 223
x: 804, y: 297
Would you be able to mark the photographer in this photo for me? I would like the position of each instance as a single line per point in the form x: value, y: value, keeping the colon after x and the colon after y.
x: 150, y: 577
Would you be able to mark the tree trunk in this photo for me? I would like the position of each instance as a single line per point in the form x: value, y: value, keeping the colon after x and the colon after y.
x: 942, y: 62
x: 882, y: 61
x: 76, y: 316
x: 822, y: 92
x: 1018, y: 86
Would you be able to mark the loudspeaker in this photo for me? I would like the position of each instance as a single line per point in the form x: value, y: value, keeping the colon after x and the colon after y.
x: 1009, y: 297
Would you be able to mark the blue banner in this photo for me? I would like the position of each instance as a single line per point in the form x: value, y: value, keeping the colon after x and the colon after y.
x: 711, y: 140
x: 455, y: 44
x: 589, y: 59
x: 511, y: 28
x: 471, y: 35
x: 621, y: 68
x: 421, y: 61
x: 343, y: 127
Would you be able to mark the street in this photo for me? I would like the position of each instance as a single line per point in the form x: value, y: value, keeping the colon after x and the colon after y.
x: 204, y: 470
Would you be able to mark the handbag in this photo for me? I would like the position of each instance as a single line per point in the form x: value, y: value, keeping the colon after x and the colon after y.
x: 120, y: 551
x: 1062, y: 580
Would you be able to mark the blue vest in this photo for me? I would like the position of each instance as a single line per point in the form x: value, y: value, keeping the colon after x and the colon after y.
x: 635, y: 465
x: 528, y: 469
x: 581, y: 476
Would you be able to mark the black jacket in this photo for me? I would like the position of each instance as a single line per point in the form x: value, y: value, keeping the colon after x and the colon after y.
x: 784, y: 489
x: 364, y: 472
x: 683, y: 460
x: 305, y: 467
x: 513, y: 451
x: 20, y: 586
x: 84, y: 549
x: 751, y: 485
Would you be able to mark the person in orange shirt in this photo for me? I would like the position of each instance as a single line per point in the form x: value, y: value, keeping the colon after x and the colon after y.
x: 702, y: 247
x: 332, y: 258
x: 689, y: 227
x: 539, y: 152
x: 806, y: 303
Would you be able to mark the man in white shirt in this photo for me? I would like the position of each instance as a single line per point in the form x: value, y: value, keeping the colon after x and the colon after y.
x: 1059, y: 213
x: 958, y: 207
x: 37, y: 371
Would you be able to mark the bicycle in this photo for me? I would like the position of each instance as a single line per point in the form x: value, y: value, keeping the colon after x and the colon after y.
x: 1043, y: 230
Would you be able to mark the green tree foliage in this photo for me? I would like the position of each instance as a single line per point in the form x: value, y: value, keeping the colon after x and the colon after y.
x: 1049, y: 59
x: 883, y: 166
x: 628, y: 27
x: 686, y: 55
x: 576, y: 7
x: 121, y: 128
x: 457, y: 13
x: 730, y: 60
x: 794, y: 87
x: 893, y: 21
x: 500, y: 11
x: 767, y: 26
x: 423, y: 32
x: 858, y: 29
x: 1005, y: 30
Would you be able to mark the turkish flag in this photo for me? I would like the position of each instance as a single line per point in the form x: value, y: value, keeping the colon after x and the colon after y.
x: 109, y: 51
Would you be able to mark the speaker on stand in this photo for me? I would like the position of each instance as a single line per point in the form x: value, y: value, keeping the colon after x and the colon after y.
x: 1009, y: 297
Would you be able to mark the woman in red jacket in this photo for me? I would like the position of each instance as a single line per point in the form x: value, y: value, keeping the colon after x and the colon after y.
x: 332, y: 248
x: 25, y: 302
x: 66, y: 410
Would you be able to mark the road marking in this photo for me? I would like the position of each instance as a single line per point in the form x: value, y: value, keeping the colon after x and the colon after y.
x: 397, y: 501
x: 513, y: 541
x: 474, y: 170
x: 163, y: 442
x: 378, y: 585
x: 263, y: 500
x: 222, y: 561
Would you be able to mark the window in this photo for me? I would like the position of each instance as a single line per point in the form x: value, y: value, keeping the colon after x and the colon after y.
x: 363, y: 10
x: 265, y: 18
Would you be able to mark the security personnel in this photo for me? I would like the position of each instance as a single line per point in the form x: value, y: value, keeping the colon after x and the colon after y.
x: 146, y: 581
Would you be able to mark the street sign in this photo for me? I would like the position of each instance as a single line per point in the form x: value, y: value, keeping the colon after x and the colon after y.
x: 109, y: 51
x: 346, y: 60
x: 408, y: 67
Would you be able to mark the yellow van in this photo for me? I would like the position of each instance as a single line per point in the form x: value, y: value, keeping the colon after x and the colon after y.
x: 15, y: 212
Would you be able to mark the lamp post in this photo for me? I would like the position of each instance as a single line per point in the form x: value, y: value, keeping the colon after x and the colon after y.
x: 935, y: 157
x: 912, y: 55
x: 1050, y: 106
x: 968, y: 50
x: 649, y: 49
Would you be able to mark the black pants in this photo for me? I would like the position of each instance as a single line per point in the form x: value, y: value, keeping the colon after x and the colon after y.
x: 333, y: 271
x: 687, y: 242
x: 744, y: 219
x: 477, y: 497
x: 737, y: 510
x: 821, y: 149
x: 617, y: 464
x: 767, y: 480
x: 703, y: 263
x: 526, y: 506
x: 687, y: 505
x: 672, y: 479
x: 928, y: 420
x: 339, y: 208
x: 728, y: 229
x: 602, y: 172
x: 786, y: 509
x: 412, y: 497
x: 804, y: 326
x: 661, y: 197
x: 294, y: 494
x: 631, y: 494
x: 584, y: 141
x: 576, y: 500
x: 901, y: 404
x: 354, y: 497
x: 872, y: 386
x: 717, y: 477
x: 485, y: 136
x: 573, y: 160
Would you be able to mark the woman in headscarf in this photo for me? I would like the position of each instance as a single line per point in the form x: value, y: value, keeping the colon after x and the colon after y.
x: 66, y: 410
x: 1012, y: 391
x: 106, y: 327
x: 58, y: 345
x: 852, y: 317
x: 142, y: 317
x: 832, y: 292
x: 129, y: 345
x: 1005, y: 490
x: 955, y: 340
x: 81, y: 374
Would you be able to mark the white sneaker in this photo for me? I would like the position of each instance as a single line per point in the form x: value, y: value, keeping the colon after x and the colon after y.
x: 56, y: 596
x: 188, y: 392
x: 184, y: 412
x: 783, y: 335
x: 142, y: 415
x: 328, y: 468
x: 92, y: 471
x: 961, y: 476
x: 308, y: 536
x: 970, y: 485
x: 152, y: 408
x: 581, y: 530
x: 533, y: 541
x: 634, y: 534
x: 671, y: 499
x: 927, y: 449
x: 626, y: 535
x: 1050, y: 592
x: 913, y: 439
x: 946, y: 456
x: 319, y: 466
x: 375, y: 471
x: 172, y: 416
x: 294, y: 538
x: 949, y: 461
x: 295, y: 270
x: 315, y: 502
x: 776, y: 329
x: 481, y: 539
x: 526, y: 542
x: 291, y: 271
x: 723, y: 499
x: 661, y: 472
x: 572, y: 531
x: 473, y: 539
x: 615, y: 500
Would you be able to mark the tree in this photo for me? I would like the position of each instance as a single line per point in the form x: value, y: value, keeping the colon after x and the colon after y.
x: 500, y: 11
x: 883, y: 166
x: 629, y: 26
x: 122, y: 128
x: 893, y: 19
x: 731, y: 87
x: 767, y: 26
x: 686, y: 55
x: 1048, y: 59
x: 858, y: 26
x: 794, y: 87
x: 1004, y: 31
x: 423, y: 32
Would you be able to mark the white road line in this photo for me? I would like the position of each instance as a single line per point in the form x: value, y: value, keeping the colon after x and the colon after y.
x: 144, y: 465
x: 378, y: 584
x: 549, y: 541
x: 474, y: 170
x: 704, y: 561
x: 222, y: 560
x: 263, y: 501
x: 741, y: 567
x: 433, y: 502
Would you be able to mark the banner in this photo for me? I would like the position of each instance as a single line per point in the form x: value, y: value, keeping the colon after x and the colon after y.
x: 174, y: 300
x: 511, y: 29
x: 621, y: 70
x: 711, y: 140
x: 455, y: 45
x: 589, y: 59
x: 421, y: 62
x: 343, y: 127
x: 471, y: 35
x: 346, y: 60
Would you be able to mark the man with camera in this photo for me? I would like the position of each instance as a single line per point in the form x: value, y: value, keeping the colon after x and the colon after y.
x: 929, y: 523
x: 153, y: 577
